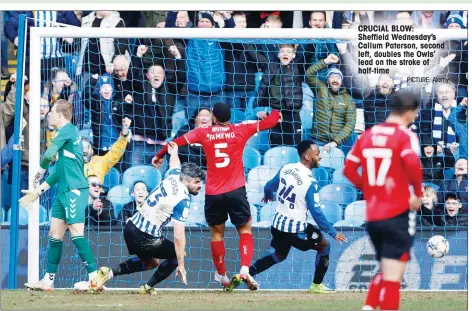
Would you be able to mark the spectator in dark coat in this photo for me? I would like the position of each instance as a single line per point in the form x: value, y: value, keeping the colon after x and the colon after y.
x: 139, y: 193
x: 459, y: 185
x: 454, y: 215
x: 281, y: 89
x: 430, y: 214
x: 434, y: 160
x: 100, y: 211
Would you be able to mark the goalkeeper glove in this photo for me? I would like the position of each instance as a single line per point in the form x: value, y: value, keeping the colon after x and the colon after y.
x: 32, y: 195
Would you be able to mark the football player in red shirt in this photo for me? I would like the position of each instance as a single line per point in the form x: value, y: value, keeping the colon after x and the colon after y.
x: 388, y: 154
x: 223, y: 144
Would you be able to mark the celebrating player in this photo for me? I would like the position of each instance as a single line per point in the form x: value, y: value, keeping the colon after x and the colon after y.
x: 223, y: 144
x: 388, y: 154
x: 143, y: 233
x: 297, y: 193
x: 68, y: 210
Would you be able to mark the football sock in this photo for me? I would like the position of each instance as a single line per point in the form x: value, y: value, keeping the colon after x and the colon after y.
x: 218, y: 253
x: 130, y: 266
x: 246, y: 248
x: 390, y: 295
x: 321, y: 265
x: 85, y: 253
x: 264, y: 263
x: 54, y: 257
x: 163, y: 271
x: 372, y: 298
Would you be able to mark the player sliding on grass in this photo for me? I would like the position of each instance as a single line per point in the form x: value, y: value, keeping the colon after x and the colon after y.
x: 170, y: 201
x: 388, y: 154
x: 224, y: 144
x: 297, y: 193
x: 68, y: 210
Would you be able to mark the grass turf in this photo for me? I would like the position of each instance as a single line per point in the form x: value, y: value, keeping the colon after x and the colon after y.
x: 215, y: 300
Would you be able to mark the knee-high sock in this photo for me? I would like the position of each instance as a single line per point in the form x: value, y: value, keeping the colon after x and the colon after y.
x: 321, y: 265
x: 85, y: 253
x: 165, y: 269
x: 130, y: 266
x: 372, y: 298
x: 265, y: 263
x: 218, y: 253
x: 246, y: 249
x: 390, y: 295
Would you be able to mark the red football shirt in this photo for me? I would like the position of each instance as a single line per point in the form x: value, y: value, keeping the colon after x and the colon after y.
x: 389, y: 156
x: 224, y: 146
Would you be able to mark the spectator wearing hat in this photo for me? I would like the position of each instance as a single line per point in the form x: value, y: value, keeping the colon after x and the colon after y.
x: 434, y: 160
x: 334, y: 111
x: 454, y: 215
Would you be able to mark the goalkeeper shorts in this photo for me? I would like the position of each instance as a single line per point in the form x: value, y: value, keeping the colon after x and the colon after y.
x: 70, y: 206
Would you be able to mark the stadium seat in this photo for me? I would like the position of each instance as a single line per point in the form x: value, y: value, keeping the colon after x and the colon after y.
x: 432, y: 185
x: 354, y: 223
x: 261, y: 174
x: 146, y: 173
x: 339, y: 178
x: 86, y: 135
x: 355, y: 211
x: 332, y: 211
x: 43, y: 214
x: 321, y: 175
x: 267, y: 211
x: 342, y: 194
x: 112, y: 179
x: 196, y: 216
x: 254, y: 213
x: 333, y: 159
x: 251, y: 158
x: 307, y: 119
x: 280, y: 156
x: 255, y: 193
x: 237, y: 116
x: 4, y: 215
x: 259, y: 141
x: 119, y: 196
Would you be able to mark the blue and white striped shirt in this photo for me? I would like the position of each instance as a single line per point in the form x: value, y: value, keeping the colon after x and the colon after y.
x: 50, y: 47
x: 168, y: 201
x: 297, y: 192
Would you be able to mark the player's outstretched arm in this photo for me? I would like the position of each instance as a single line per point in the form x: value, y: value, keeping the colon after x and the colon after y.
x: 186, y: 139
x: 179, y: 241
x: 270, y: 187
x: 173, y: 150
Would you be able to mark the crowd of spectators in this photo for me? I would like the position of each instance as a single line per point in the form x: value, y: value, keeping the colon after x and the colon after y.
x: 130, y: 96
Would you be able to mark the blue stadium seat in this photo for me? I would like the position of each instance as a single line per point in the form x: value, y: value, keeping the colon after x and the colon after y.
x: 259, y: 141
x: 280, y: 156
x: 449, y: 173
x: 321, y: 175
x: 43, y: 214
x: 4, y: 215
x: 256, y: 180
x: 339, y: 178
x: 342, y: 194
x: 254, y: 213
x: 255, y: 193
x: 237, y: 116
x: 332, y: 211
x: 86, y: 135
x: 307, y: 119
x: 353, y: 223
x: 333, y: 159
x: 251, y: 158
x: 6, y: 190
x: 196, y: 217
x: 119, y: 196
x: 112, y: 179
x: 266, y: 215
x: 355, y: 211
x: 146, y: 173
x: 432, y: 185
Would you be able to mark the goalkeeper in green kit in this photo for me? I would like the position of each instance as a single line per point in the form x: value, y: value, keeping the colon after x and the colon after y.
x: 68, y: 210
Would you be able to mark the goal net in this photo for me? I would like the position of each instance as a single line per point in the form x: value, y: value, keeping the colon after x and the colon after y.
x: 160, y: 81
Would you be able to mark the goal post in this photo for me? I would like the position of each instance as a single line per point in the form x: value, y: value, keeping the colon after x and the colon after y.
x: 290, y: 35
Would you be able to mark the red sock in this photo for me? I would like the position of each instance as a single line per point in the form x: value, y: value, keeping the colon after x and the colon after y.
x: 218, y: 253
x: 246, y: 248
x: 372, y: 298
x: 390, y: 295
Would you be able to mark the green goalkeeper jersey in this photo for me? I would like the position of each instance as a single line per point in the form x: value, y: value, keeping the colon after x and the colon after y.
x: 69, y: 172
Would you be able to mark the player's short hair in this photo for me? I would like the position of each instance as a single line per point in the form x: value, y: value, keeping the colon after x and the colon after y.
x: 404, y: 101
x: 239, y: 13
x: 221, y: 112
x: 286, y: 45
x: 64, y: 107
x: 452, y: 196
x: 303, y: 146
x: 191, y: 170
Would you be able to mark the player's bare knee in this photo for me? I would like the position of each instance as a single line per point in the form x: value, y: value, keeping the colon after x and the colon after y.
x: 245, y: 228
x: 76, y: 229
x: 151, y: 263
x: 392, y: 269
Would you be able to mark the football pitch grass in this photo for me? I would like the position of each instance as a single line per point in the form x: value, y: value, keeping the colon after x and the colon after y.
x: 216, y: 300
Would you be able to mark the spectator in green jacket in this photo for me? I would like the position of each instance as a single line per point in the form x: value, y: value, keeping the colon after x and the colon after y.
x: 334, y: 110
